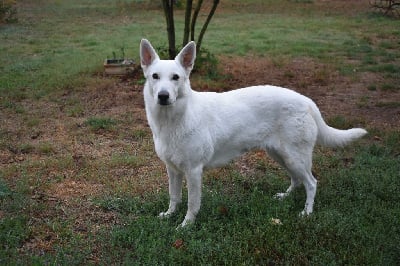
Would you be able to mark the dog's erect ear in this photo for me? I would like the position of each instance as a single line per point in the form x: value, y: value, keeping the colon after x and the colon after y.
x: 147, y: 54
x: 187, y: 56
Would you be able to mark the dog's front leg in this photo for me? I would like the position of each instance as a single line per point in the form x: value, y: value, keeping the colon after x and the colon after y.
x: 194, y: 194
x: 175, y: 190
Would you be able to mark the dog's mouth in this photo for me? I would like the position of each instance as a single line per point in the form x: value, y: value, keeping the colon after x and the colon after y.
x: 164, y: 102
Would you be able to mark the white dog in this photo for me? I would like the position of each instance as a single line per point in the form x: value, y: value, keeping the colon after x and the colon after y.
x: 197, y: 130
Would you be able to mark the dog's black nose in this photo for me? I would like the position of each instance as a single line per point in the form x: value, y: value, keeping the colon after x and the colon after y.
x: 163, y: 97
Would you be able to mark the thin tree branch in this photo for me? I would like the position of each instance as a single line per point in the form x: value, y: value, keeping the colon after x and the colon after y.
x: 194, y: 19
x: 204, y: 28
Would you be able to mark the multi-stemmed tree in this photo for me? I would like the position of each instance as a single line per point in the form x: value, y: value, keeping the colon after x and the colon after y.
x: 191, y: 15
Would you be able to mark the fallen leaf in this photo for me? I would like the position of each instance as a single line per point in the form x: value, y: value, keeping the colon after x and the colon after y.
x: 178, y: 243
x: 276, y: 221
x: 377, y: 138
x: 223, y: 210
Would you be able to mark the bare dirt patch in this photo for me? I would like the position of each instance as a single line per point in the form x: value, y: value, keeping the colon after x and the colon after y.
x: 335, y: 94
x: 70, y: 189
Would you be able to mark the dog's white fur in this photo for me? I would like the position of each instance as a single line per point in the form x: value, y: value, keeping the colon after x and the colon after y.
x: 197, y: 130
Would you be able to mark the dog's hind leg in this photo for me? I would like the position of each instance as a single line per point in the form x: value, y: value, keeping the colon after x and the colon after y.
x: 310, y: 183
x: 299, y: 167
x: 294, y: 152
x: 294, y: 182
x: 175, y: 190
x: 303, y: 172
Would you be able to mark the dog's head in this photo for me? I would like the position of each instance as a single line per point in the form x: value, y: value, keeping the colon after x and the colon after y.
x: 167, y: 79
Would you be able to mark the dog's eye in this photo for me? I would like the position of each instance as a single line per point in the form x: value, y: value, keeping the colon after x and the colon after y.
x: 175, y: 77
x: 155, y: 76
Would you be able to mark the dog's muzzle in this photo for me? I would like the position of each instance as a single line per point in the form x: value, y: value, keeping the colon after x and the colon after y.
x: 163, y: 98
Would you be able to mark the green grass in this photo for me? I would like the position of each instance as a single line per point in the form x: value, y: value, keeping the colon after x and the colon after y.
x: 80, y: 183
x: 100, y: 123
x: 355, y: 220
x: 87, y: 32
x: 45, y: 59
x: 119, y: 160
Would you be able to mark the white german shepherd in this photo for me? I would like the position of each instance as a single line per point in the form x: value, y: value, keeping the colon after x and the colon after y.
x: 197, y: 130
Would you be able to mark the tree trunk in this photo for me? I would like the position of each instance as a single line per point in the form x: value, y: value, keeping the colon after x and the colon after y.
x: 188, y: 14
x: 168, y: 6
x: 190, y: 23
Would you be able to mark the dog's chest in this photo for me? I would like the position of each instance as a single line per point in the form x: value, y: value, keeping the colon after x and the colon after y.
x: 170, y: 147
x: 183, y: 148
x: 164, y: 149
x: 171, y: 154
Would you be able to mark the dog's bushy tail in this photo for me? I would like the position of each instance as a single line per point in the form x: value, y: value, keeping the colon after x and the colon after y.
x: 332, y: 137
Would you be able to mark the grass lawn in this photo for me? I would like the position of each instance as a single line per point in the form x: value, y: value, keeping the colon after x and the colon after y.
x: 80, y: 183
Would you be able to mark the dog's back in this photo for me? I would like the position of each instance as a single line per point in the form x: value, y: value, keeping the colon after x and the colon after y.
x: 244, y: 119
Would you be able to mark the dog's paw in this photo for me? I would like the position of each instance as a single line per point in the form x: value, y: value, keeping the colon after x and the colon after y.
x: 305, y: 214
x: 185, y: 224
x: 189, y: 220
x: 280, y: 196
x: 164, y: 215
x: 308, y: 209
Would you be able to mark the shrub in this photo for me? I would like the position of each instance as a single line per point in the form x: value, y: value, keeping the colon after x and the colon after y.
x: 8, y: 11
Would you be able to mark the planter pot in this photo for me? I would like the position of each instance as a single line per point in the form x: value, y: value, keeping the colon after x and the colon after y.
x: 119, y: 67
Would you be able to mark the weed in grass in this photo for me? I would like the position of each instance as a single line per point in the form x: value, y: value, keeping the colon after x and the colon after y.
x: 372, y: 87
x: 390, y: 87
x: 5, y: 191
x: 139, y: 134
x: 303, y: 1
x: 26, y: 148
x: 339, y: 121
x: 141, y: 81
x: 385, y: 68
x: 369, y: 60
x: 100, y: 123
x: 322, y: 76
x: 131, y: 161
x: 76, y: 111
x: 348, y: 70
x: 386, y: 44
x: 388, y: 104
x: 280, y: 61
x: 32, y: 122
x: 46, y: 148
x: 7, y: 103
x: 288, y: 74
x: 363, y: 101
x: 392, y: 141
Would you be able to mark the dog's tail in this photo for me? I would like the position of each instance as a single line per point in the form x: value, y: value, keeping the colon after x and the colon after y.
x: 332, y: 137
